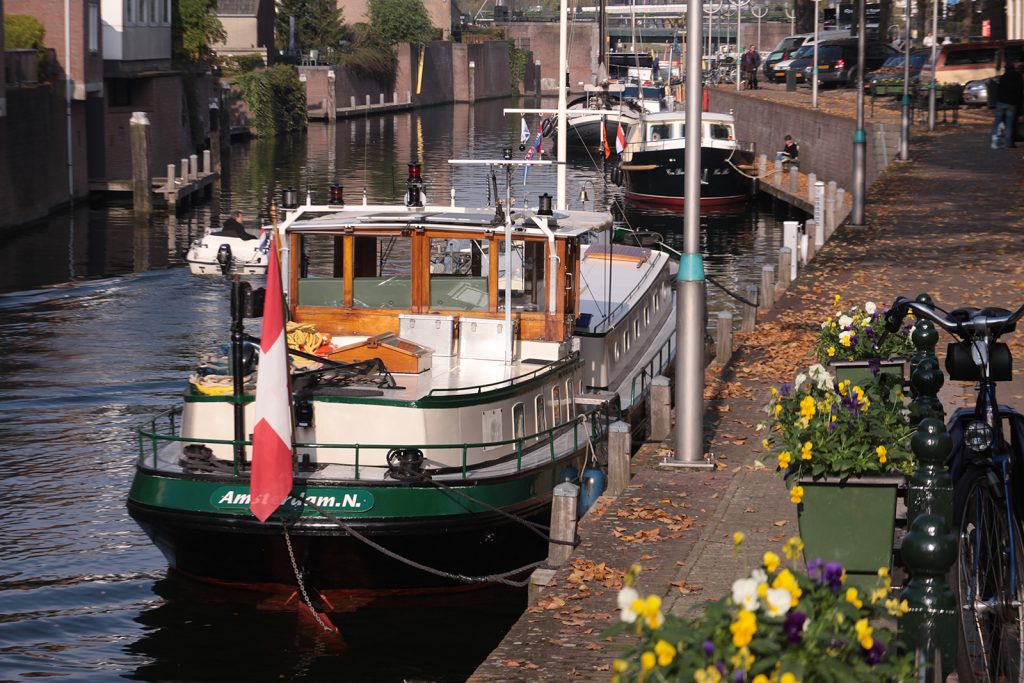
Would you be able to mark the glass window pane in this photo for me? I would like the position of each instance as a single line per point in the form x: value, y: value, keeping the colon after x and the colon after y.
x: 542, y: 416
x: 459, y: 270
x: 383, y: 277
x: 518, y: 421
x: 529, y: 266
x: 321, y: 281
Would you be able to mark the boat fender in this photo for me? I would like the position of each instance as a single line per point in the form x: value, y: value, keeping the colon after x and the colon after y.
x: 569, y: 474
x: 617, y: 175
x: 546, y: 127
x: 405, y: 464
x: 592, y: 485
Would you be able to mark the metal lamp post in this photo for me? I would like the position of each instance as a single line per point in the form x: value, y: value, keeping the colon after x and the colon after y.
x: 711, y: 11
x: 690, y: 292
x: 935, y: 47
x: 760, y: 12
x: 814, y: 63
x: 860, y: 138
x: 905, y: 102
x: 792, y: 19
x: 740, y: 4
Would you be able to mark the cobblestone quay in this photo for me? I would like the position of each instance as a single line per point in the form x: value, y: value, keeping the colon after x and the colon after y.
x: 949, y: 222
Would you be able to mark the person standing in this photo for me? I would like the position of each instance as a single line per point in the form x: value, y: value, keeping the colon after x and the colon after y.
x: 1009, y: 93
x: 749, y: 62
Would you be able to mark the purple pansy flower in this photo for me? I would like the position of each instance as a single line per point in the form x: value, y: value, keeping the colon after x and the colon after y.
x: 794, y: 627
x: 834, y: 575
x: 873, y: 655
x: 709, y: 648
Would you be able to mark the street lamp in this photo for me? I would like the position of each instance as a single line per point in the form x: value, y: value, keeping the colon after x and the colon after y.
x: 905, y: 103
x: 740, y: 4
x: 935, y: 47
x: 860, y: 138
x: 760, y: 12
x: 814, y: 66
x: 792, y: 19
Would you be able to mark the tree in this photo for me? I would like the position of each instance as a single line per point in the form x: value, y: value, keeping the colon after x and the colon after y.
x: 317, y: 24
x: 194, y: 27
x: 401, y: 21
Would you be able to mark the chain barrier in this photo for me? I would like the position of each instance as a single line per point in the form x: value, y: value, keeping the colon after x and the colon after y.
x: 298, y: 579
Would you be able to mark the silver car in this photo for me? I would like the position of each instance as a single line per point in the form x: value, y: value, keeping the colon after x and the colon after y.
x: 976, y: 92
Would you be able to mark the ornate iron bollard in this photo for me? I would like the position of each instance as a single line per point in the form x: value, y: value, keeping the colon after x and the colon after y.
x: 930, y: 624
x: 930, y: 488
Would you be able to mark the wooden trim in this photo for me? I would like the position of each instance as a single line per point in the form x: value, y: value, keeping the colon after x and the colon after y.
x: 349, y: 257
x: 492, y: 281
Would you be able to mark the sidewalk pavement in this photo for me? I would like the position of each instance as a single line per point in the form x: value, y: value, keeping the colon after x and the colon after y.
x: 951, y: 223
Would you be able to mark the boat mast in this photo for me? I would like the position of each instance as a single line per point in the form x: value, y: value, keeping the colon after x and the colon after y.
x: 563, y: 85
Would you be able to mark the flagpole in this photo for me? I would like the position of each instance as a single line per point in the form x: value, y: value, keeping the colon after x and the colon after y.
x: 237, y: 374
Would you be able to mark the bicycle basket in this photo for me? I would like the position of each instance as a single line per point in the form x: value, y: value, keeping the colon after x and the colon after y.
x: 961, y: 366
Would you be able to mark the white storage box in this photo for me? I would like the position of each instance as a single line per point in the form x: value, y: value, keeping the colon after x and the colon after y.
x: 436, y: 332
x: 483, y: 339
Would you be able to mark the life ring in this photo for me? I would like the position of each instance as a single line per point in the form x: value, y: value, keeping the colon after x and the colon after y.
x: 546, y: 127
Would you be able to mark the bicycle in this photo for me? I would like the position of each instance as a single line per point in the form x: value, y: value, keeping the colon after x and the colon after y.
x: 987, y: 473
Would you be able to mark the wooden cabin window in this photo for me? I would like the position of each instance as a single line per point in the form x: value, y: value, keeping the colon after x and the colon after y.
x: 459, y: 274
x: 529, y: 268
x: 541, y: 413
x: 321, y: 277
x: 383, y: 272
x: 518, y: 421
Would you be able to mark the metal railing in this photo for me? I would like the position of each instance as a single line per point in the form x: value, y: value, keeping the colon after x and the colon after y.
x: 154, y: 437
x: 511, y: 381
x: 652, y: 369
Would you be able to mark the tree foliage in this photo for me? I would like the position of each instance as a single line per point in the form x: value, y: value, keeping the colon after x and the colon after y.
x: 276, y: 99
x: 368, y: 54
x: 194, y: 28
x: 22, y: 32
x: 317, y: 25
x: 401, y: 21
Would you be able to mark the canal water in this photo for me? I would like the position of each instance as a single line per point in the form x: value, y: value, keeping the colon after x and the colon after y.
x: 101, y: 324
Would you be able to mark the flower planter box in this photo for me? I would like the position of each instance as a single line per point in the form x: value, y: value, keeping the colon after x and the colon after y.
x: 851, y: 522
x: 859, y: 371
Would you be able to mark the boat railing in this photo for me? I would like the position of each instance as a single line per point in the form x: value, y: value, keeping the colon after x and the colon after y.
x: 652, y: 369
x: 153, y: 435
x: 608, y: 321
x: 510, y: 382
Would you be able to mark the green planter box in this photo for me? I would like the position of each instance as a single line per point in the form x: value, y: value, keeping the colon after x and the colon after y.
x: 851, y: 522
x: 859, y: 371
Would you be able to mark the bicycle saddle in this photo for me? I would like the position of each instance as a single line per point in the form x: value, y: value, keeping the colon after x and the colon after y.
x: 963, y: 315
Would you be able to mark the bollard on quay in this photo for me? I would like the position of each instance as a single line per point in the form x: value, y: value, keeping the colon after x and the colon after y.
x: 563, y: 523
x: 930, y: 488
x: 767, y: 287
x: 930, y: 625
x: 619, y: 438
x: 925, y: 383
x: 785, y: 268
x: 723, y: 338
x: 749, y: 309
x: 660, y: 399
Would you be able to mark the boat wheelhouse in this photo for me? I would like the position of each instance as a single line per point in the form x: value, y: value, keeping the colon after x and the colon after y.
x: 652, y: 166
x: 451, y: 364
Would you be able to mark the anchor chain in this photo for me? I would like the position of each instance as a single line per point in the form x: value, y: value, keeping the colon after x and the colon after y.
x: 298, y: 579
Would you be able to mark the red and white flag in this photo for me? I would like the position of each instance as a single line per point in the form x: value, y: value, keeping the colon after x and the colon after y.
x: 271, y: 480
x: 620, y: 139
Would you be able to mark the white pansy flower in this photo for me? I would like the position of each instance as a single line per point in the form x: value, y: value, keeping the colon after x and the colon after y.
x: 798, y: 382
x: 845, y: 336
x: 744, y: 594
x: 870, y: 308
x: 778, y: 601
x: 627, y: 596
x: 759, y: 575
x: 821, y: 377
x: 845, y: 321
x: 825, y: 324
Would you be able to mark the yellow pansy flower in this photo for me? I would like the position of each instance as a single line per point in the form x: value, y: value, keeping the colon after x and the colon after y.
x: 831, y: 351
x: 805, y: 453
x: 744, y: 628
x: 708, y: 675
x: 864, y: 632
x: 784, y: 459
x: 837, y: 299
x: 666, y: 652
x: 647, y: 661
x: 737, y: 538
x: 883, y: 454
x: 796, y: 494
x: 853, y: 597
x: 771, y: 561
x: 788, y: 678
x: 794, y: 546
x: 807, y: 407
x: 620, y: 666
x: 742, y: 659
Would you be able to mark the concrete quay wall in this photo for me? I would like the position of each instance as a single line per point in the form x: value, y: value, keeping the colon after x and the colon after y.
x: 826, y: 140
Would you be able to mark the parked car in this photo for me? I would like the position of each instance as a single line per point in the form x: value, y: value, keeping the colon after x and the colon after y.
x: 837, y: 60
x: 892, y: 69
x: 976, y: 93
x: 778, y: 72
x: 965, y: 62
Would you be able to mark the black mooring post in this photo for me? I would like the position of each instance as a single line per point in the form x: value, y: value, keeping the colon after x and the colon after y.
x: 237, y: 371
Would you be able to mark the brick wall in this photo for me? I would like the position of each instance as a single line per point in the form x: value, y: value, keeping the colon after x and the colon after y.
x: 826, y: 141
x: 542, y: 40
x: 33, y: 154
x: 160, y: 96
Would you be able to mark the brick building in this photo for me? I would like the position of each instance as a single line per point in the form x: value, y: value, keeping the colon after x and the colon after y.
x: 443, y: 13
x: 249, y: 26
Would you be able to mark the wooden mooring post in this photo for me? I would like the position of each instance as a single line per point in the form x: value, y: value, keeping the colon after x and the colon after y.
x: 723, y: 338
x: 142, y: 200
x: 619, y: 437
x: 749, y: 318
x: 767, y: 287
x: 660, y: 408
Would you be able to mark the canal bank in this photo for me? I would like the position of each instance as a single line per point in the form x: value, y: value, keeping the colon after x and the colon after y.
x: 951, y: 229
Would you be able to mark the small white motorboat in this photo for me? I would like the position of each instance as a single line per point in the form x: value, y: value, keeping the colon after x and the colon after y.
x: 214, y: 254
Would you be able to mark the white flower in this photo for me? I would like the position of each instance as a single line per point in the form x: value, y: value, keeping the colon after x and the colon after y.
x: 845, y: 321
x: 821, y: 377
x: 824, y: 324
x: 798, y: 382
x: 744, y: 594
x: 870, y: 308
x: 778, y: 601
x: 845, y: 336
x: 759, y: 575
x: 627, y: 596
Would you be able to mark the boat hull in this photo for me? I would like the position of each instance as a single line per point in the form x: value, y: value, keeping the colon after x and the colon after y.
x: 586, y: 133
x: 204, y: 529
x: 657, y: 178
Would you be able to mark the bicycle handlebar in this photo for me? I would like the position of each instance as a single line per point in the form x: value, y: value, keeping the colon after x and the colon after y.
x: 982, y: 321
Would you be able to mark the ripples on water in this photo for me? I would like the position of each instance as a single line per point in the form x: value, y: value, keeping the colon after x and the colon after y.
x: 100, y: 327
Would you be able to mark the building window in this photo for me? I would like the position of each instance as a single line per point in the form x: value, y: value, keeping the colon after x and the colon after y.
x: 154, y: 16
x: 129, y: 11
x: 167, y: 12
x: 94, y: 28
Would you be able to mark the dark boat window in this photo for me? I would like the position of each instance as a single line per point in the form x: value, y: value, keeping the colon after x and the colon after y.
x: 528, y: 276
x: 720, y: 132
x: 383, y: 277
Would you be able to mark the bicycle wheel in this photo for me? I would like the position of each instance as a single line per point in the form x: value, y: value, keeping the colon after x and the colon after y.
x: 989, y: 573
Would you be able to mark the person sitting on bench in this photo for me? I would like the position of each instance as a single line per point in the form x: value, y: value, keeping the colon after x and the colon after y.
x: 790, y: 151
